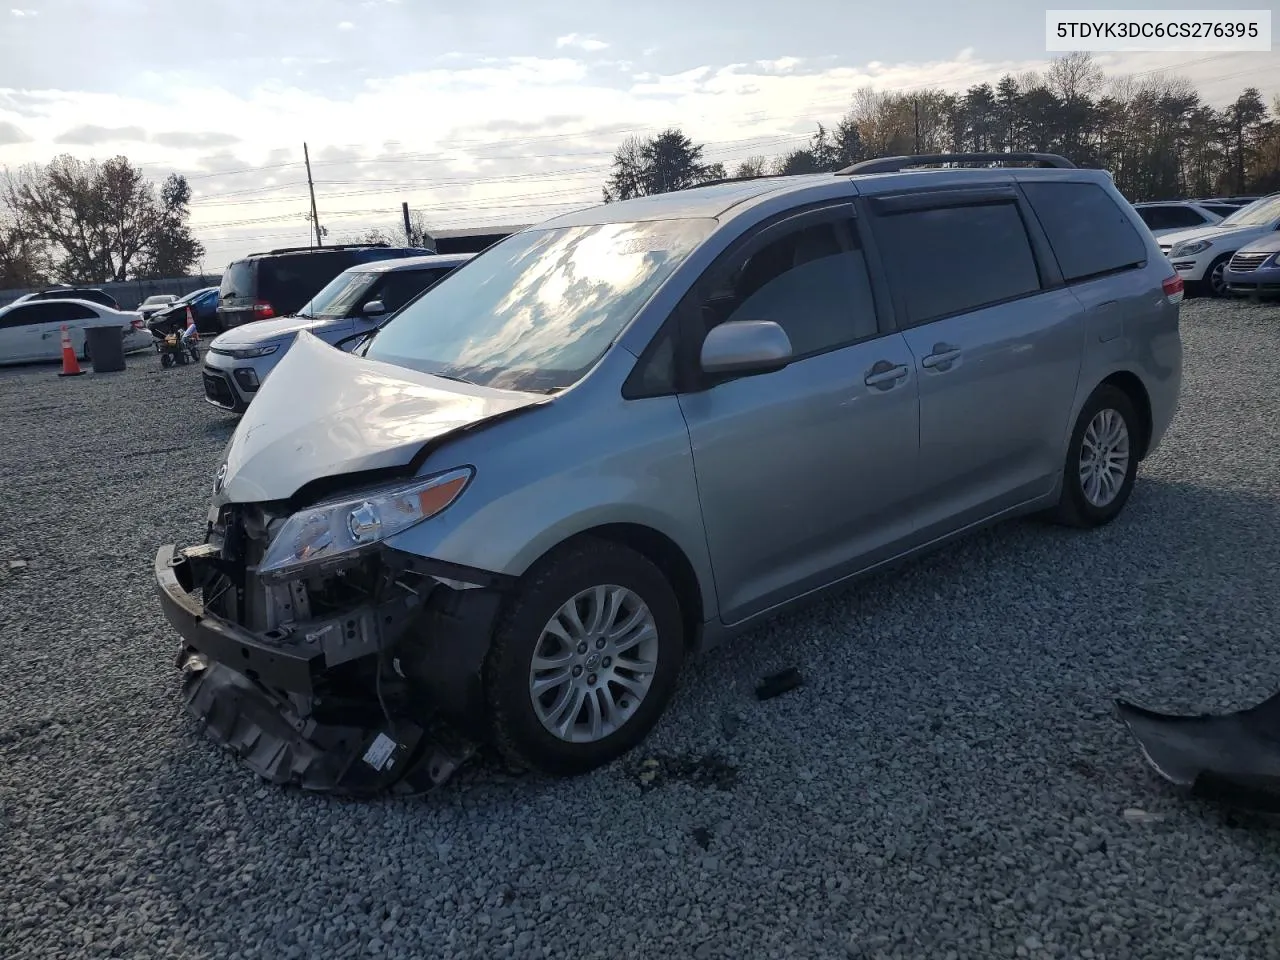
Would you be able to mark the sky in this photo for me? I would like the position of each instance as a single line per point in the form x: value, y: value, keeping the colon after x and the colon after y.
x: 480, y: 113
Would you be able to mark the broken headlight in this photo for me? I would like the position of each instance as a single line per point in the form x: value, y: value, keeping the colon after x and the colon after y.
x: 347, y: 527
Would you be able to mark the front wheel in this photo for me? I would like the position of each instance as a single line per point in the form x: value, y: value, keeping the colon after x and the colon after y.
x: 584, y: 659
x: 1102, y: 460
x: 1214, y: 283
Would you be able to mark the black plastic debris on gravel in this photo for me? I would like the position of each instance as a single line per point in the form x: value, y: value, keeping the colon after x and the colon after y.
x: 707, y: 771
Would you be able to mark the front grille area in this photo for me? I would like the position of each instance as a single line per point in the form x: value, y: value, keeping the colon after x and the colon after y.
x: 218, y: 390
x: 1248, y: 261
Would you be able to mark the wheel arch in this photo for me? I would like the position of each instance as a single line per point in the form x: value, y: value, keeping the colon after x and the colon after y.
x: 660, y: 550
x: 1132, y: 386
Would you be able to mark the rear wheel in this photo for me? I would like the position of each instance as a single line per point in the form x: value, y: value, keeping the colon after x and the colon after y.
x: 1102, y: 460
x: 584, y: 659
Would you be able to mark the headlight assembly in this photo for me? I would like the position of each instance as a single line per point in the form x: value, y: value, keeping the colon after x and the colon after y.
x: 251, y: 353
x: 345, y: 528
x: 1190, y: 248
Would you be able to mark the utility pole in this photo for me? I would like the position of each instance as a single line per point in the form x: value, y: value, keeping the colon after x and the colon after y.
x: 408, y: 230
x: 315, y: 219
x: 916, y: 103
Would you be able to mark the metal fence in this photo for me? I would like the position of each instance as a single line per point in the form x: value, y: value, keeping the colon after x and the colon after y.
x: 132, y: 292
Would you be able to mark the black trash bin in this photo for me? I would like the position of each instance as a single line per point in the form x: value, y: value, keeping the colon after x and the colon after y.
x: 105, y: 346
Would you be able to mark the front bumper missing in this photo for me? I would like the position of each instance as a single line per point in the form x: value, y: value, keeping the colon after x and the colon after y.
x: 254, y: 696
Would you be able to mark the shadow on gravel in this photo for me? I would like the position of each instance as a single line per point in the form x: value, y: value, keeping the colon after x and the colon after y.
x: 220, y: 429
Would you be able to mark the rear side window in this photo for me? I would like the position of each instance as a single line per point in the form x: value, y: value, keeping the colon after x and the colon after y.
x: 954, y: 259
x: 1088, y: 231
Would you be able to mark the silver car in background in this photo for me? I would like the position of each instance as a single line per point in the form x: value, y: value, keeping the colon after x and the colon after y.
x: 639, y: 429
x: 354, y: 302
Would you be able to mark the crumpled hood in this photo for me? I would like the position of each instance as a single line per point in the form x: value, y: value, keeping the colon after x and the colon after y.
x: 1216, y: 232
x: 259, y: 331
x: 324, y: 412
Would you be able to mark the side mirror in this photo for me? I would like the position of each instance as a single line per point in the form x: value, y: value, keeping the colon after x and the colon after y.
x: 745, y: 347
x: 373, y: 308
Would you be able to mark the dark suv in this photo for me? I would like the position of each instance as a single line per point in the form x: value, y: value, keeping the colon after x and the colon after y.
x: 92, y: 294
x: 277, y: 283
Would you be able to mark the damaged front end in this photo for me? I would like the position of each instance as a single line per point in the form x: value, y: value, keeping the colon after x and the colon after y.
x: 359, y: 675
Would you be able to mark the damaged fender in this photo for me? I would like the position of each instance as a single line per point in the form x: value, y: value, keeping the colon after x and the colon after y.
x: 297, y: 705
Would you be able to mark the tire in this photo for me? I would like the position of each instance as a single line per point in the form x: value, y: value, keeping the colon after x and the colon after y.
x: 84, y: 350
x: 166, y: 360
x: 1076, y: 507
x: 1207, y: 286
x: 518, y: 732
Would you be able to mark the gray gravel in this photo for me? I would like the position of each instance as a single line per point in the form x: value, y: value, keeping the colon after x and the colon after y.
x: 948, y: 783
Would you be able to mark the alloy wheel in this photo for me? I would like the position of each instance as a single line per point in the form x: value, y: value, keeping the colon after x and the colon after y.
x: 1104, y: 457
x: 593, y: 664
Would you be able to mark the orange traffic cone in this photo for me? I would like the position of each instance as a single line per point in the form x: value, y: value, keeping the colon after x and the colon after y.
x: 70, y: 365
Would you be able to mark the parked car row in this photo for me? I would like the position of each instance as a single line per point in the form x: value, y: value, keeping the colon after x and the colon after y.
x: 1205, y: 256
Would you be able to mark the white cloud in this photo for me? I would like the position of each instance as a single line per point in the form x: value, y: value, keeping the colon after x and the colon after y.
x: 346, y: 25
x: 504, y: 139
x: 23, y: 13
x: 577, y: 40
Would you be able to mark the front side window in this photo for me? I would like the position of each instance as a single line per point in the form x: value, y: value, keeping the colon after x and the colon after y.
x: 398, y: 287
x: 811, y: 285
x: 538, y: 310
x: 953, y: 259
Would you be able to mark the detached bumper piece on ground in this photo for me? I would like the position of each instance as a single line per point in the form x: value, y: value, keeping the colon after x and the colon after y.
x: 360, y: 683
x: 1231, y: 758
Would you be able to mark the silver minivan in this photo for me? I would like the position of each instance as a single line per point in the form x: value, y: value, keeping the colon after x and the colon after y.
x: 634, y: 431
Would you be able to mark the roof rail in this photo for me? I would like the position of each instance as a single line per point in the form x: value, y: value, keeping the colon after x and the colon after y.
x: 894, y: 164
x: 334, y: 246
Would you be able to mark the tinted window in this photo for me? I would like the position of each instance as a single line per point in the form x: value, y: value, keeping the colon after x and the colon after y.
x: 805, y: 282
x: 1170, y: 218
x: 237, y: 280
x: 952, y: 259
x: 401, y: 286
x: 1088, y: 231
x: 1221, y: 209
x: 54, y: 311
x: 18, y: 317
x: 287, y: 282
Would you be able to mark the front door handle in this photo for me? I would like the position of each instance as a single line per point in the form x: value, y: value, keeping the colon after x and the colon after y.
x: 883, y: 375
x: 942, y: 357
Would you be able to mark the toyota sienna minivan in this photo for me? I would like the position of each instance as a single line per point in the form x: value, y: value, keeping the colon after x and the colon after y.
x: 634, y: 431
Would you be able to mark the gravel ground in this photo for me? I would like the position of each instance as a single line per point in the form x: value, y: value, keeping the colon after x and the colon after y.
x: 948, y: 783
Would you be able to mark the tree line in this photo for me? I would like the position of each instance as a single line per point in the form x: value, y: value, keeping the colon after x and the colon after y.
x: 85, y: 221
x: 1155, y: 134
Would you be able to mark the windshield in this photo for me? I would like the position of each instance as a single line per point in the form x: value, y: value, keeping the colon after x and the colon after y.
x: 159, y: 298
x: 339, y: 295
x: 1255, y: 214
x: 538, y: 310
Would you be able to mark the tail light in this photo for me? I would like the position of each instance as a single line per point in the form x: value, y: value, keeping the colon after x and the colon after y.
x: 138, y: 324
x: 1174, y: 289
x: 263, y: 311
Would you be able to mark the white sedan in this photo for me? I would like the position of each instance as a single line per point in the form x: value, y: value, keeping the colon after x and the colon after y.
x: 32, y: 332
